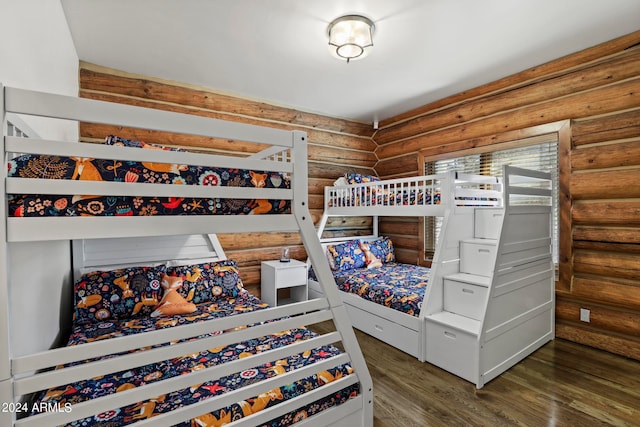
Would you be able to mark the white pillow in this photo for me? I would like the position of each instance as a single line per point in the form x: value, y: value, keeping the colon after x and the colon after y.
x: 340, y: 181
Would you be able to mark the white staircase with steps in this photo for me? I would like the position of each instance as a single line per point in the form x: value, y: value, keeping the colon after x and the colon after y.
x: 491, y: 297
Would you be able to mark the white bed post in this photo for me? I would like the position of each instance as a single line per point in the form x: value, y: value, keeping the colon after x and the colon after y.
x: 315, y: 252
x: 323, y: 220
x: 374, y: 225
x: 6, y: 388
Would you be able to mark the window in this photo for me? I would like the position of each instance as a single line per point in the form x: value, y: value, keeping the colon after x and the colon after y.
x: 539, y: 153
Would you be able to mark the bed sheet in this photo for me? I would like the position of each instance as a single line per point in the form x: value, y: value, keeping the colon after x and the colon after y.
x: 74, y: 168
x: 394, y: 285
x: 104, y: 385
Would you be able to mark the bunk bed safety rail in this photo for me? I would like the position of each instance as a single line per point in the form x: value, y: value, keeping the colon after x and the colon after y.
x: 276, y: 159
x: 413, y: 191
x: 117, y: 154
x: 472, y: 190
x: 235, y: 332
x: 21, y: 101
x: 315, y: 311
x: 527, y: 187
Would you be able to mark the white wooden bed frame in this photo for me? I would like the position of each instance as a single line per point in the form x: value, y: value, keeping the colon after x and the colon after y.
x: 522, y: 256
x: 93, y: 242
x: 401, y: 330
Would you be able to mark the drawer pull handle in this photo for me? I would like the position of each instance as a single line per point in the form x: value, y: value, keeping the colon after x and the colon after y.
x: 467, y: 291
x: 450, y: 335
x: 378, y: 327
x: 484, y: 250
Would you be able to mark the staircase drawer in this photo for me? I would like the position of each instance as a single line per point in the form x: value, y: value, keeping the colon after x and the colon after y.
x: 488, y: 223
x: 452, y: 350
x: 477, y: 258
x: 465, y: 299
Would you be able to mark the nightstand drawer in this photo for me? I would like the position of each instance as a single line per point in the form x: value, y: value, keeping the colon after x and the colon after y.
x: 291, y: 276
x: 464, y: 299
x: 277, y: 275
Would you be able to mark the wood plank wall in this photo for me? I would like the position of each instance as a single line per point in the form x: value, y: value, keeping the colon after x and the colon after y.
x: 336, y: 146
x: 598, y: 91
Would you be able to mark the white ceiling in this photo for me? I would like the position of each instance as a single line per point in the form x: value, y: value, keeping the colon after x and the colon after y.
x: 276, y: 50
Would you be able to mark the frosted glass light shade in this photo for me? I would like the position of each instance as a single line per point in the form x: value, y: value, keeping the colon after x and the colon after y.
x: 350, y: 37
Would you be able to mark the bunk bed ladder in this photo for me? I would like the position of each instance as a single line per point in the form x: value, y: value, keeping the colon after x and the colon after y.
x: 6, y: 386
x: 318, y: 260
x: 520, y: 311
x: 493, y: 306
x: 458, y: 286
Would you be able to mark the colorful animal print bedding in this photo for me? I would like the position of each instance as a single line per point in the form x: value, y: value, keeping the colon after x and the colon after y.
x: 104, y: 385
x: 394, y: 285
x: 372, y: 196
x: 75, y: 168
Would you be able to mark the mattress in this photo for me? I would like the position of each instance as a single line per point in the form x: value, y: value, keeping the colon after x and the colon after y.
x: 74, y: 168
x: 394, y: 285
x: 112, y: 383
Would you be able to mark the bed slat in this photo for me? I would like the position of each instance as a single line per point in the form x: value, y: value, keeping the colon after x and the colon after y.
x: 88, y: 110
x: 64, y: 355
x: 32, y: 229
x: 91, y: 407
x: 100, y: 151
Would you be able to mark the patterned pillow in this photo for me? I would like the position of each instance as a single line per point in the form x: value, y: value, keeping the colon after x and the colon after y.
x: 345, y: 256
x: 356, y: 178
x: 124, y: 142
x: 371, y: 260
x: 172, y: 302
x: 117, y: 294
x: 207, y: 281
x: 382, y: 249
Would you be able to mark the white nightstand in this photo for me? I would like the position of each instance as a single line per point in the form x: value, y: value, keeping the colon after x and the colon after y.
x: 281, y: 275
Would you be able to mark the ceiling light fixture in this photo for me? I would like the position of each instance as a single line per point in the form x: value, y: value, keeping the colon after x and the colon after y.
x: 350, y: 37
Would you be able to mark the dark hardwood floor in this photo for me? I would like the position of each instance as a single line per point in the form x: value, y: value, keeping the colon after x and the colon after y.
x: 561, y: 384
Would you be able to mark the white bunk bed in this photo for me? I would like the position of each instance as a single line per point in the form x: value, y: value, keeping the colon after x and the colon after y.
x: 472, y: 207
x: 122, y: 241
x: 445, y: 195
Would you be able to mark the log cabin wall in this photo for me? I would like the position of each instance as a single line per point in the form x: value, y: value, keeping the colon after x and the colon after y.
x: 336, y: 146
x: 596, y: 91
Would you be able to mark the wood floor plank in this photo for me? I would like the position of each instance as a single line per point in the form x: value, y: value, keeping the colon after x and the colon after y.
x: 561, y: 384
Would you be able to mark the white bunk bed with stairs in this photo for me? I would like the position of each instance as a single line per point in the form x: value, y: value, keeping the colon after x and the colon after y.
x: 490, y: 298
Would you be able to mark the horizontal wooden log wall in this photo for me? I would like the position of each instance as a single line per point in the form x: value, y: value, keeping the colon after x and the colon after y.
x: 598, y: 91
x: 336, y: 146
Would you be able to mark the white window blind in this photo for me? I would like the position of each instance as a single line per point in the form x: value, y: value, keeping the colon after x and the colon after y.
x: 541, y: 156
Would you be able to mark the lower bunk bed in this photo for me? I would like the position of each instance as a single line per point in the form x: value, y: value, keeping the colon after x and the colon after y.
x: 115, y: 304
x: 383, y: 297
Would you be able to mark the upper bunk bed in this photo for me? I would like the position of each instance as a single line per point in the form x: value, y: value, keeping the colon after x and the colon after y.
x: 428, y: 195
x: 265, y: 191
